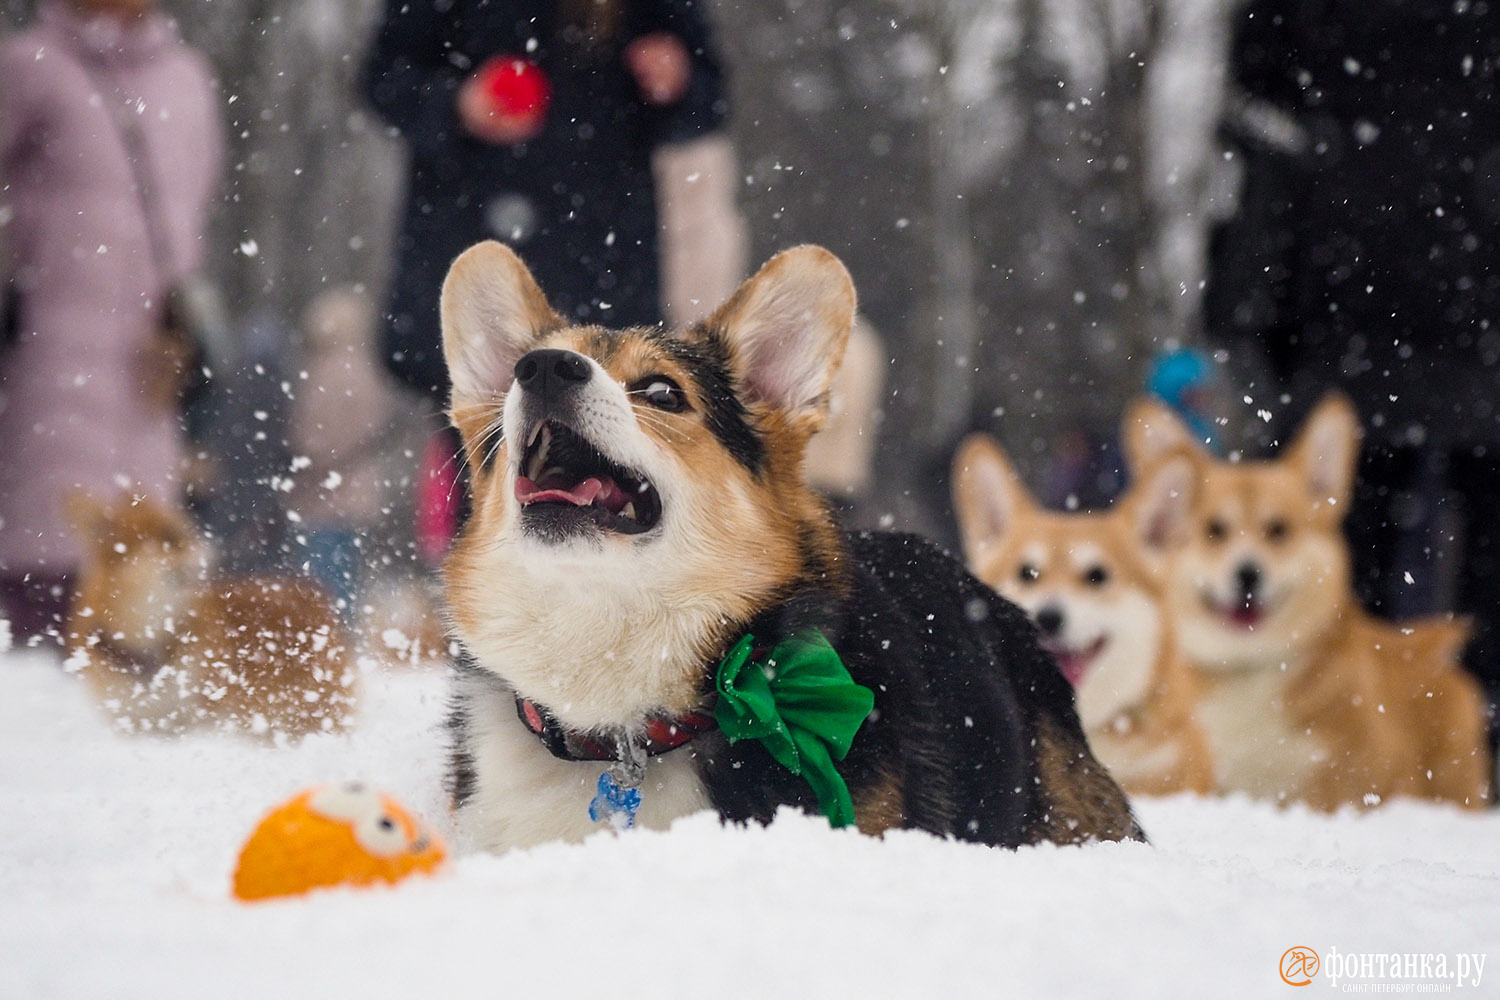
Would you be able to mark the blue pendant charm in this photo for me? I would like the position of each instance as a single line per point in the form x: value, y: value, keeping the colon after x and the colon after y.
x: 615, y: 804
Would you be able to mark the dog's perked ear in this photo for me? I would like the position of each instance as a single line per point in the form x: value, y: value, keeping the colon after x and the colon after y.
x: 1149, y: 430
x: 492, y: 312
x: 1160, y: 503
x: 787, y: 328
x: 1326, y: 450
x: 988, y: 496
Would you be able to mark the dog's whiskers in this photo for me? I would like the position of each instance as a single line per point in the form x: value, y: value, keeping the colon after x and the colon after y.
x: 657, y: 422
x: 487, y: 442
x: 490, y: 439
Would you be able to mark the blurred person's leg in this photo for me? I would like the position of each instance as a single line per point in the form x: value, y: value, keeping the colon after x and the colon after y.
x: 1477, y: 480
x: 704, y: 240
x: 1378, y: 520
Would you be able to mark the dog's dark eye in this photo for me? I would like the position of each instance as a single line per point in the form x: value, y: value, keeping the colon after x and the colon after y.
x: 1276, y: 531
x: 661, y: 392
x: 1216, y: 530
x: 1097, y: 576
x: 1028, y: 573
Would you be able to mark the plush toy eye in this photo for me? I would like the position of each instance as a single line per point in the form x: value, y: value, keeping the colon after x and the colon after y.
x: 360, y: 807
x: 380, y: 835
x: 1216, y: 530
x: 1028, y: 573
x: 661, y: 392
x: 1097, y: 576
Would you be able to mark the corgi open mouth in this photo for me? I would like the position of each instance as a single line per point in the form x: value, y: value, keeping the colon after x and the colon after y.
x: 1243, y: 612
x: 1075, y: 663
x: 566, y: 484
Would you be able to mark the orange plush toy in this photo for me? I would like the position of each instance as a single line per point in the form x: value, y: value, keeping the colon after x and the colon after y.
x: 344, y: 834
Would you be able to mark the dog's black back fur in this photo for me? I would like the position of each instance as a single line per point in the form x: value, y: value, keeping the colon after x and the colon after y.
x: 974, y: 734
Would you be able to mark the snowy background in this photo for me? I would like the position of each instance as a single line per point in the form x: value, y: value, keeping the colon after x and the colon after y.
x: 118, y: 852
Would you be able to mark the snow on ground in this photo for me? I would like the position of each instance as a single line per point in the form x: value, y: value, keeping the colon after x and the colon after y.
x: 116, y: 855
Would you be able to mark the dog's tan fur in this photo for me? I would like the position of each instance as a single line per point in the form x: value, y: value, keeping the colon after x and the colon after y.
x: 166, y: 645
x: 1136, y: 701
x: 1310, y: 699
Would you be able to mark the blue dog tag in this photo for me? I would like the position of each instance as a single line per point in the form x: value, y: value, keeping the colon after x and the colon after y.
x: 615, y: 803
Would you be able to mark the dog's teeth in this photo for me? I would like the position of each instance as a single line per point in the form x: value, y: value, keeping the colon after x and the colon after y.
x: 539, y: 457
x: 628, y: 511
x: 643, y: 487
x: 540, y: 461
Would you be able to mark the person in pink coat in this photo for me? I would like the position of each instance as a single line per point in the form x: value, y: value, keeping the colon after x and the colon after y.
x: 85, y: 260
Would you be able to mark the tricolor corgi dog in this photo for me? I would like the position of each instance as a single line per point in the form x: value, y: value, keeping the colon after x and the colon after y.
x: 1094, y: 584
x: 167, y: 644
x: 1304, y: 696
x: 642, y: 528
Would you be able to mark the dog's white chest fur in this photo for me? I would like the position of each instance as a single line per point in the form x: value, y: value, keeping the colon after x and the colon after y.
x: 1256, y: 748
x: 524, y: 796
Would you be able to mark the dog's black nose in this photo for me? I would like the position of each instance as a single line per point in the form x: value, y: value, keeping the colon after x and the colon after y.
x: 1050, y: 621
x: 1249, y: 577
x: 550, y: 370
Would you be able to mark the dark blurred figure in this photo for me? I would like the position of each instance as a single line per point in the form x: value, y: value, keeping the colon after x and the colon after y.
x: 110, y: 149
x: 531, y: 122
x: 564, y: 177
x: 1366, y: 255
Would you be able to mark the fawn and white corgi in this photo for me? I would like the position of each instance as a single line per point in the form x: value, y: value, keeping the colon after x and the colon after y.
x: 1094, y: 584
x: 1304, y: 696
x: 166, y: 644
x: 641, y: 518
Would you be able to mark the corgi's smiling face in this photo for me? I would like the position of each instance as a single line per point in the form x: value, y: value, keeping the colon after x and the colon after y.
x: 1262, y: 576
x: 637, y: 488
x: 1264, y: 571
x: 1090, y: 582
x: 1096, y: 615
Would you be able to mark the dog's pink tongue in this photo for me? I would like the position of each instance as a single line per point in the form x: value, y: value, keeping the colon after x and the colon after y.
x: 1073, y: 666
x: 581, y: 495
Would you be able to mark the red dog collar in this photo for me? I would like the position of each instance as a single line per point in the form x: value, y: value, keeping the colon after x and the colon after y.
x: 659, y: 736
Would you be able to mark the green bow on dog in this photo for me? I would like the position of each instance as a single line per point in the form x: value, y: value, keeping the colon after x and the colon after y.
x: 802, y: 705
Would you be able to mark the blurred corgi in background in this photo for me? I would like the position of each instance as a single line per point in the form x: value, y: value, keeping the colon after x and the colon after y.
x: 1094, y: 583
x: 1305, y: 697
x: 167, y: 645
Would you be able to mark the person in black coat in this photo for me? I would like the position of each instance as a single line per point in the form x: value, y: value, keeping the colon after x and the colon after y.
x: 1366, y: 255
x: 570, y: 190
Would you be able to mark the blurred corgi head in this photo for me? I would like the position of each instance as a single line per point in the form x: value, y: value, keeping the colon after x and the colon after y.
x: 638, y: 472
x: 1091, y: 582
x: 142, y: 560
x: 1264, y: 570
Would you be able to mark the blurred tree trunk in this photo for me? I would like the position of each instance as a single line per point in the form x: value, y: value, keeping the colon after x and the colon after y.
x: 313, y: 178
